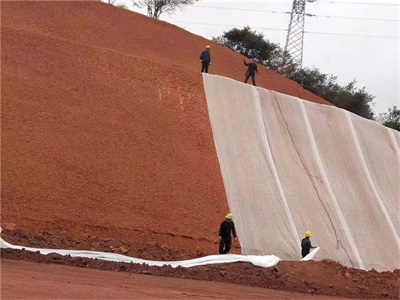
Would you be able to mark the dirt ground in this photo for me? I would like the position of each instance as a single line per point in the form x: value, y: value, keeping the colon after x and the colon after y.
x: 332, y: 280
x: 50, y: 281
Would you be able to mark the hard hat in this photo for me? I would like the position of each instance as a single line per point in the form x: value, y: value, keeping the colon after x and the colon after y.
x: 308, y: 234
x: 208, y: 47
x: 229, y: 216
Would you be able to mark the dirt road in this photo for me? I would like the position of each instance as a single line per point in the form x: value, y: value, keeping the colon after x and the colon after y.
x: 22, y: 280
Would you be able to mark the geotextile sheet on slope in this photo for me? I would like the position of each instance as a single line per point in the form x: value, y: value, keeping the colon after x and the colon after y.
x: 289, y: 166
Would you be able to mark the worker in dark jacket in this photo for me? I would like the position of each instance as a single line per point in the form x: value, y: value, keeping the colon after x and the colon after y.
x: 225, y: 230
x: 306, y: 245
x: 251, y: 70
x: 205, y: 59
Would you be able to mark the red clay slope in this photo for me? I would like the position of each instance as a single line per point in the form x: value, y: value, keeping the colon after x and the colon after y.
x: 105, y: 132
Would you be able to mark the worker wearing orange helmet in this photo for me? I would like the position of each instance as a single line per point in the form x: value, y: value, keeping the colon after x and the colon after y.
x: 205, y: 59
x: 225, y: 230
x: 306, y: 245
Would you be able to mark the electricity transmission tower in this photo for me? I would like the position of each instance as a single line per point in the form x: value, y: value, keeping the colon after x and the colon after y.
x: 294, y: 39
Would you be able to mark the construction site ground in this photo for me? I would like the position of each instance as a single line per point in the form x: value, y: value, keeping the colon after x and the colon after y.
x: 44, y: 281
x: 107, y: 146
x: 288, y: 280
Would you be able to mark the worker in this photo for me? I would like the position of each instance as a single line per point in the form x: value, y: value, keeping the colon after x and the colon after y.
x: 306, y: 245
x: 205, y: 59
x: 251, y: 70
x: 225, y: 230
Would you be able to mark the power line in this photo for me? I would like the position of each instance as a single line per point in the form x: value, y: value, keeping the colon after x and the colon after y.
x: 288, y: 13
x: 361, y: 3
x: 353, y: 18
x: 224, y: 25
x: 245, y: 9
x: 282, y: 29
x: 349, y: 34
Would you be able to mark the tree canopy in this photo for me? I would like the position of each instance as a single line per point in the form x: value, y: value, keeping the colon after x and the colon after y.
x: 391, y: 118
x: 248, y: 43
x: 348, y: 97
x: 254, y: 45
x: 156, y: 7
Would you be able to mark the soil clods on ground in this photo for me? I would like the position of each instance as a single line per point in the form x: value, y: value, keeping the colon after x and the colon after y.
x: 317, y: 278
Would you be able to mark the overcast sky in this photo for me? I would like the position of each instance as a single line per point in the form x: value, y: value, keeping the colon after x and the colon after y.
x: 373, y: 61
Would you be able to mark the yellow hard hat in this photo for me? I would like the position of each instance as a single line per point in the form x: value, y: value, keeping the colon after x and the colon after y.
x: 208, y: 47
x: 229, y: 216
x: 308, y: 234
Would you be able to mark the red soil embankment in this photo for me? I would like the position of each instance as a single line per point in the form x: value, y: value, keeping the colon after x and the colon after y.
x: 105, y: 131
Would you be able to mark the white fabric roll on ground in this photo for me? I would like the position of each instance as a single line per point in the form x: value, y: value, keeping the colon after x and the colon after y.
x: 263, y: 261
x: 290, y: 166
x: 311, y: 255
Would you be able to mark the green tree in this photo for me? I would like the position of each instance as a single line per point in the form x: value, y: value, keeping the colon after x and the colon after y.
x: 348, y: 97
x: 156, y: 7
x: 391, y: 118
x: 251, y: 44
x: 355, y: 100
x: 313, y: 80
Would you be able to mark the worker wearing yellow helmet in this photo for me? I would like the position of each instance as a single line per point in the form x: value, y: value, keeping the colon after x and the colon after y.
x: 205, y: 59
x: 306, y: 245
x: 225, y: 230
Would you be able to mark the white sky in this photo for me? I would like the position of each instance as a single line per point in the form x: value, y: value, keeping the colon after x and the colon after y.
x: 373, y: 62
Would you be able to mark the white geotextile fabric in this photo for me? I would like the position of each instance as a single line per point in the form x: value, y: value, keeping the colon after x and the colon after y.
x: 311, y: 255
x: 264, y: 261
x: 289, y: 166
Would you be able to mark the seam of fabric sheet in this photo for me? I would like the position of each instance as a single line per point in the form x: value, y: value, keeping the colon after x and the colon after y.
x: 397, y: 149
x: 396, y: 146
x: 309, y: 176
x: 342, y: 220
x: 275, y: 172
x: 367, y: 173
x: 394, y: 142
x: 212, y: 112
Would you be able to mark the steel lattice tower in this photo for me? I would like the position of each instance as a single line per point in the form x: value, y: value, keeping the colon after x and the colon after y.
x: 294, y: 39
